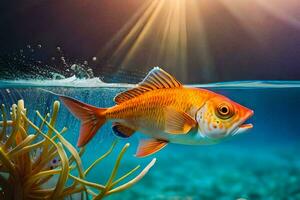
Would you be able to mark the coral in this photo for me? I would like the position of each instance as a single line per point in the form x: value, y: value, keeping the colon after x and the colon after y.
x: 26, y: 171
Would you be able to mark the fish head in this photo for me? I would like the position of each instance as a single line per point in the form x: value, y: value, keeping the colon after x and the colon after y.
x: 220, y: 117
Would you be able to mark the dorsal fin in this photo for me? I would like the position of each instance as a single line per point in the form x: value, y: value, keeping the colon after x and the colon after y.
x: 156, y: 79
x: 129, y: 94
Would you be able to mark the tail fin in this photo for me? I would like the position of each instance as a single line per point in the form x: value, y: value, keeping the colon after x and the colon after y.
x: 92, y: 118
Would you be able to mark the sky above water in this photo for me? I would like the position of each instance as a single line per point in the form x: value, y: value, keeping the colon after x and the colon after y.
x: 242, y: 42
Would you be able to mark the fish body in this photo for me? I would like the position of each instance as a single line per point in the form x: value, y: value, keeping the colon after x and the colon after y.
x: 166, y: 111
x: 147, y: 112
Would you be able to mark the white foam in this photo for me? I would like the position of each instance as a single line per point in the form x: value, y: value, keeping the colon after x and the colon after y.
x: 67, y: 82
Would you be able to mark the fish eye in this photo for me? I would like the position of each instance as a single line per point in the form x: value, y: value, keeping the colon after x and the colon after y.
x: 224, y: 111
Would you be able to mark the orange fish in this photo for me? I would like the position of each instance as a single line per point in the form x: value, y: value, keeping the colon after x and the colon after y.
x: 162, y: 108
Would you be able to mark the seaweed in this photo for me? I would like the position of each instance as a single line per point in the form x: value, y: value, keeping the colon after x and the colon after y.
x: 25, y: 172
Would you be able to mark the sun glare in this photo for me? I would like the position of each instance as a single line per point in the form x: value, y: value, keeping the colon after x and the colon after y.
x: 167, y: 32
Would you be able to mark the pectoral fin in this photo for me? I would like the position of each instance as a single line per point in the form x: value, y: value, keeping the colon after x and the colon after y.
x: 121, y: 130
x: 150, y: 146
x: 178, y: 122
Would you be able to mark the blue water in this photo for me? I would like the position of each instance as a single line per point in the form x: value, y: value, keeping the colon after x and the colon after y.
x: 261, y: 164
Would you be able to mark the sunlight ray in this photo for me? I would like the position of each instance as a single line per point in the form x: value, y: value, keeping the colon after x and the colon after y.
x: 172, y: 33
x: 250, y: 16
x: 283, y: 10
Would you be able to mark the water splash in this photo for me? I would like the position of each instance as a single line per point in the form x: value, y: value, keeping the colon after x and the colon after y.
x: 34, y: 62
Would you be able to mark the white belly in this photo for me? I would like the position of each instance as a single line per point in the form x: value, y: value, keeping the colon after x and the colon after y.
x: 193, y: 137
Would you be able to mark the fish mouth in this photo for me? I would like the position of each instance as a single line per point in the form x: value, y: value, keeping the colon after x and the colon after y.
x: 244, y: 126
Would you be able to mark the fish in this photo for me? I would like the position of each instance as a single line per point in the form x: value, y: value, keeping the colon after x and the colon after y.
x: 54, y: 163
x: 37, y: 157
x: 166, y: 111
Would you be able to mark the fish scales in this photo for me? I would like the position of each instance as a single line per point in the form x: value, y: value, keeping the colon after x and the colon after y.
x: 167, y: 112
x: 149, y: 108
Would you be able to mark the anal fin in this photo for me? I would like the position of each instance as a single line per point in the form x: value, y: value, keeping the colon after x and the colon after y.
x: 150, y: 146
x: 121, y: 130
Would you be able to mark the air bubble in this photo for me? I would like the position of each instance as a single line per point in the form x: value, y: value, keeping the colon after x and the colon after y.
x: 94, y: 58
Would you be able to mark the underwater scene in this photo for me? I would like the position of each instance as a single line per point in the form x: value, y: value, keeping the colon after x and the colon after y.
x: 150, y: 100
x: 263, y: 163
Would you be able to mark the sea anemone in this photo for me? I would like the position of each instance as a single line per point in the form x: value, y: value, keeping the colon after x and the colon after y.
x: 33, y: 157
